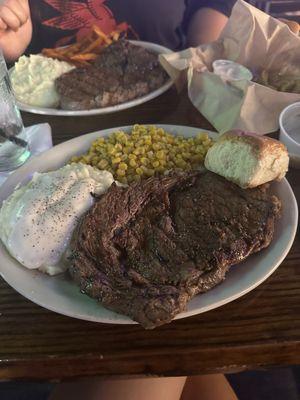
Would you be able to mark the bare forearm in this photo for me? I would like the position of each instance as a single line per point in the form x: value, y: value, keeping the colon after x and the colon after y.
x: 205, y: 26
x: 13, y: 44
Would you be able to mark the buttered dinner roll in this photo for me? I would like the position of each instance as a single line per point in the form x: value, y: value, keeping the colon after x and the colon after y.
x: 247, y: 159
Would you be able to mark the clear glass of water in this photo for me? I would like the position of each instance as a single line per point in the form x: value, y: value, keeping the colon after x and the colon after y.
x: 14, y: 150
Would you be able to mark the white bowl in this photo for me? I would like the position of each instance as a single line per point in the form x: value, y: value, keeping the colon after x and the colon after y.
x: 289, y: 122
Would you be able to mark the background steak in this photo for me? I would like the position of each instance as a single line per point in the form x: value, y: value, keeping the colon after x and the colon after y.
x: 145, y: 250
x: 121, y: 73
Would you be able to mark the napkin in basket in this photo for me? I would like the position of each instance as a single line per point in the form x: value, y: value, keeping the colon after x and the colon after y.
x: 255, y: 40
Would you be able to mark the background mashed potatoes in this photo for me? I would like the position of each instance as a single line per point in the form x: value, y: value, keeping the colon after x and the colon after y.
x: 33, y: 80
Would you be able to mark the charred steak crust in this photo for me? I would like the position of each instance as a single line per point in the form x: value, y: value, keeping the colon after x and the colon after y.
x: 122, y: 72
x: 146, y: 250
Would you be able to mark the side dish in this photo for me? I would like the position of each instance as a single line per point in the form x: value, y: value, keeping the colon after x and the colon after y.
x: 144, y: 152
x: 247, y: 159
x: 281, y: 81
x: 33, y: 80
x: 38, y: 219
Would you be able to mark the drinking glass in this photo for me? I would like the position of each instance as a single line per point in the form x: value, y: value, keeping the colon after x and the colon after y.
x: 14, y: 150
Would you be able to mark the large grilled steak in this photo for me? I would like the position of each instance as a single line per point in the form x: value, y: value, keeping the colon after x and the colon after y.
x: 147, y: 249
x: 121, y: 73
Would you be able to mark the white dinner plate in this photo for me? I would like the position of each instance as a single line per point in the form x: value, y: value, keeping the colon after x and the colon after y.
x: 61, y: 295
x: 106, y: 110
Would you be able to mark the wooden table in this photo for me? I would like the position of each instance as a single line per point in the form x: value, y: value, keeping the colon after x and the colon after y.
x: 260, y: 329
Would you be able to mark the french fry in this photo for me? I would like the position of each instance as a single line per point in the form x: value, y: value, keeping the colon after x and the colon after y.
x: 115, y: 36
x: 49, y: 52
x: 84, y: 57
x: 86, y: 50
x: 102, y: 35
x: 94, y: 45
x: 54, y: 54
x: 70, y: 50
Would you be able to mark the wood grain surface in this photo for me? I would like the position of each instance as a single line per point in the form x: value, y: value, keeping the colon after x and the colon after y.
x: 261, y: 329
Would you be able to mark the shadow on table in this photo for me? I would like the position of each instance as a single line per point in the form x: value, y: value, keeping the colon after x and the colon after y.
x: 275, y: 384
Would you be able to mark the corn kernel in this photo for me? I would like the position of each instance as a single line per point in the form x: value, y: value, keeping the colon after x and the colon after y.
x: 121, y: 172
x: 160, y: 155
x: 150, y: 172
x: 116, y: 160
x: 137, y: 178
x: 160, y: 169
x: 144, y: 161
x: 118, y: 147
x: 123, y: 179
x: 186, y: 155
x: 170, y: 164
x: 102, y: 164
x: 126, y: 149
x: 132, y: 163
x: 123, y: 166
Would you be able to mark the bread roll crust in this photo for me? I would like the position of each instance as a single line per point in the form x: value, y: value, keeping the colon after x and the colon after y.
x: 268, y: 158
x: 259, y: 144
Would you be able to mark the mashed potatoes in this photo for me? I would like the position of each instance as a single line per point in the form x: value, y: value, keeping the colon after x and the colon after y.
x: 33, y: 80
x: 38, y: 219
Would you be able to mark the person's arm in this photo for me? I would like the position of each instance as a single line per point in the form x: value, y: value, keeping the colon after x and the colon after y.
x: 204, y: 20
x: 205, y: 26
x: 15, y: 28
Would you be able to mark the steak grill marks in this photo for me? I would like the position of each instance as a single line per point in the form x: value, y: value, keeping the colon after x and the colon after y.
x: 146, y: 250
x: 122, y: 72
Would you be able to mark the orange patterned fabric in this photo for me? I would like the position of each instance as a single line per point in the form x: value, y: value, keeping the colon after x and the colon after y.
x: 81, y: 16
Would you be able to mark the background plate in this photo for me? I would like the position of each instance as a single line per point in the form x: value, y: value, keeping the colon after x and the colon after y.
x: 61, y: 295
x: 106, y: 110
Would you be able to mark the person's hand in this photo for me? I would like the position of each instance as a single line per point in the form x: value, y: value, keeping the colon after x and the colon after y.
x: 13, y: 14
x: 15, y: 28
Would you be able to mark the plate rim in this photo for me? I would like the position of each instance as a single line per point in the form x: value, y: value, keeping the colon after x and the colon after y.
x: 157, y: 48
x: 121, y: 319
